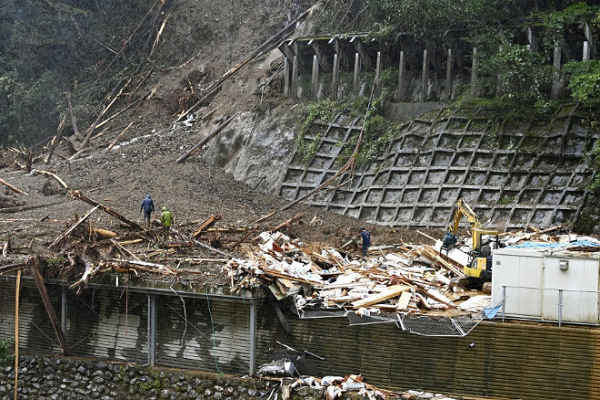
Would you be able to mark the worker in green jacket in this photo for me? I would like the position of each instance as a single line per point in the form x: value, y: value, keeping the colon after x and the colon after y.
x: 166, y: 219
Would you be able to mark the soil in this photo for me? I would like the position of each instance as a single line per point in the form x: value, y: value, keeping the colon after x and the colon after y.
x: 143, y: 161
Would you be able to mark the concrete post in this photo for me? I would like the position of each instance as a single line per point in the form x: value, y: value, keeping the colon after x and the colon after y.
x: 474, y: 74
x: 286, y: 77
x: 335, y: 80
x: 315, y: 78
x: 424, y: 76
x: 151, y: 329
x: 63, y: 309
x: 556, y: 86
x: 294, y: 93
x: 586, y: 51
x: 252, y: 343
x: 377, y: 81
x: 448, y: 89
x: 356, y: 81
x: 400, y: 90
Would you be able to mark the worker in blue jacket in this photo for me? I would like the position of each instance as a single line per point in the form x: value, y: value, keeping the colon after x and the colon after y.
x: 365, y: 241
x: 147, y: 207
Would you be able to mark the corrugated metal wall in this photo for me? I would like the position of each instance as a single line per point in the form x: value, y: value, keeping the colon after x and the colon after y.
x: 513, y: 360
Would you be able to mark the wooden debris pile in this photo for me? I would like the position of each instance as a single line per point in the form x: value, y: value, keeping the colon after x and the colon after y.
x: 409, y: 279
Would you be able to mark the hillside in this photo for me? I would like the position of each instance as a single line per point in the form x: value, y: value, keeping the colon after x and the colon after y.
x: 135, y: 154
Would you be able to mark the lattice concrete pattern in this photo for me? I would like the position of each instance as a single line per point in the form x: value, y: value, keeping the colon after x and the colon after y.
x: 512, y: 172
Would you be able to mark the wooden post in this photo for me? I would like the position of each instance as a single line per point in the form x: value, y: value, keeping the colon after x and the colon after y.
x: 39, y: 281
x: 18, y: 290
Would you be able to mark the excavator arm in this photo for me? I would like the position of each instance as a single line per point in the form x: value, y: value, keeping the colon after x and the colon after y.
x: 462, y: 208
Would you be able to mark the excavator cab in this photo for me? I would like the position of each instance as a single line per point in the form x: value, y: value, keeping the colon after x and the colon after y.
x: 480, y: 261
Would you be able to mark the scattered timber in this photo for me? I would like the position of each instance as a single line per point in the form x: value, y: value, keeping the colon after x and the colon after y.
x: 78, y: 195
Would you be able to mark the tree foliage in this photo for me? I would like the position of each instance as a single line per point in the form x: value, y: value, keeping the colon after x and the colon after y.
x: 51, y: 47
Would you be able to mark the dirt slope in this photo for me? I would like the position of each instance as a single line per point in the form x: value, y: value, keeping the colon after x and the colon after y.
x: 142, y: 161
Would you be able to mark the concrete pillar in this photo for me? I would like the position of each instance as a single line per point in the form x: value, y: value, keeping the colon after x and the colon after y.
x: 356, y: 81
x: 377, y: 80
x: 335, y: 80
x: 474, y: 74
x: 589, y: 36
x: 400, y: 90
x: 294, y: 93
x: 63, y: 309
x: 252, y: 343
x: 286, y: 77
x: 314, y: 92
x: 448, y: 89
x: 151, y: 329
x: 556, y: 85
x: 424, y: 76
x: 586, y: 51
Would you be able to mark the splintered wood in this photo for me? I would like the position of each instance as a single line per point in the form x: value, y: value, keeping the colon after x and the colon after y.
x: 416, y: 279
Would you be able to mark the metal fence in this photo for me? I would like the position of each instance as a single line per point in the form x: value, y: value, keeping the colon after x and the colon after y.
x: 551, y: 305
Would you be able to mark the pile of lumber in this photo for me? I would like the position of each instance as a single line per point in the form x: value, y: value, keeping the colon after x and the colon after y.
x: 410, y: 278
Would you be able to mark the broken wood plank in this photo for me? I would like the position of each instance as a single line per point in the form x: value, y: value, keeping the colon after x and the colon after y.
x: 34, y: 264
x: 210, y: 221
x: 405, y: 298
x: 392, y: 291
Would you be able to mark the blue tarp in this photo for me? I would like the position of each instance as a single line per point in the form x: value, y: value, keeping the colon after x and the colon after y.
x: 538, y: 245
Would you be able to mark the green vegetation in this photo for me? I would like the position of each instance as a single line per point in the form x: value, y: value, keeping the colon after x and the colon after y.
x: 49, y: 48
x: 6, y: 351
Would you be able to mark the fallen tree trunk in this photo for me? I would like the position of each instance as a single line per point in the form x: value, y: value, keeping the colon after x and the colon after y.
x: 282, y: 34
x: 77, y: 194
x: 13, y: 267
x: 8, y: 210
x: 206, y: 139
x: 39, y: 281
x: 72, y: 228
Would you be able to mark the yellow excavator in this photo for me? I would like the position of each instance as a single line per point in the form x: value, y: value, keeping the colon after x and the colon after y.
x: 479, y: 266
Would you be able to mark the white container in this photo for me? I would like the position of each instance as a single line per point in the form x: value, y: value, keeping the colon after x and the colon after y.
x: 547, y: 285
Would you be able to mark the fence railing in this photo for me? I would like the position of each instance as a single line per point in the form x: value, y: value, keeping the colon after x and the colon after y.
x: 551, y: 305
